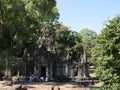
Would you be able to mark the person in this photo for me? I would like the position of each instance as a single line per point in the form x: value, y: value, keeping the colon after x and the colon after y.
x: 42, y: 78
x: 30, y: 79
x: 46, y: 79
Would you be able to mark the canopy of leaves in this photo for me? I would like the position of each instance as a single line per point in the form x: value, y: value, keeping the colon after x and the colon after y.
x: 88, y: 41
x: 67, y: 43
x: 107, y: 55
x: 21, y: 22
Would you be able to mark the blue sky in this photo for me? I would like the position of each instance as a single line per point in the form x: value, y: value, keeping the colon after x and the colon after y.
x: 91, y: 14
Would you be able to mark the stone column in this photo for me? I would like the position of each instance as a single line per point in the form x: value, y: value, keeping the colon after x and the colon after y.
x: 38, y: 65
x: 83, y: 70
x: 66, y: 70
x: 18, y: 73
x: 57, y: 71
x: 79, y: 71
x: 71, y: 72
x: 35, y: 70
x: 51, y: 71
x: 47, y: 71
x: 9, y: 73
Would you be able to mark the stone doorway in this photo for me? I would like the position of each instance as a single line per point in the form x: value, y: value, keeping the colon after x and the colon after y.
x: 43, y: 71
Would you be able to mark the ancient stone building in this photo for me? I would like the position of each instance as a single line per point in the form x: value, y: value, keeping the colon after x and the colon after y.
x: 45, y: 58
x: 48, y: 64
x: 45, y: 62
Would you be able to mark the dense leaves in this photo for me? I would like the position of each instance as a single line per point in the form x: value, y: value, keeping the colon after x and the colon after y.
x: 88, y: 41
x: 21, y: 22
x: 20, y: 26
x: 67, y: 44
x: 107, y: 55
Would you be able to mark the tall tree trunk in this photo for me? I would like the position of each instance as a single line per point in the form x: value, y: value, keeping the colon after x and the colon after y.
x: 67, y: 57
x: 86, y: 64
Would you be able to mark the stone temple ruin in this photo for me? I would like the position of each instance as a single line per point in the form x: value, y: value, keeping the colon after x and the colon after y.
x: 45, y: 59
x: 46, y: 63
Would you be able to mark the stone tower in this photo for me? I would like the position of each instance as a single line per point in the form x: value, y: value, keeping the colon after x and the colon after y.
x: 46, y: 39
x: 44, y: 56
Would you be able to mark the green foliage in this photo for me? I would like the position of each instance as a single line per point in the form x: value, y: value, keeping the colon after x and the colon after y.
x: 66, y: 44
x: 2, y: 62
x: 43, y: 10
x: 106, y: 55
x: 21, y: 22
x: 88, y: 38
x: 5, y: 59
x: 88, y: 41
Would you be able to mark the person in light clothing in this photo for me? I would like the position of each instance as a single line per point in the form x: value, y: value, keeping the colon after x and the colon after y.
x: 30, y: 79
x: 46, y: 79
x: 41, y: 78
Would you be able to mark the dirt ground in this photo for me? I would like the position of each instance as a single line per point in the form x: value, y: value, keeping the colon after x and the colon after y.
x: 45, y: 86
x: 55, y: 86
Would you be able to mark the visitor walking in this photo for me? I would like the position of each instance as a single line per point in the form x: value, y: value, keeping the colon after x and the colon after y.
x: 30, y: 79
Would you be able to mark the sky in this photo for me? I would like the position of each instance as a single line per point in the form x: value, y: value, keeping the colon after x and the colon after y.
x: 91, y: 14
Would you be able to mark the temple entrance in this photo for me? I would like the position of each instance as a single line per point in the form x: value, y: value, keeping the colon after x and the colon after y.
x: 43, y: 71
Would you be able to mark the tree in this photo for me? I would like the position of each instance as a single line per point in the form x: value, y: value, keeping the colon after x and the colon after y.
x: 66, y: 41
x: 106, y: 55
x: 43, y: 10
x: 88, y: 42
x: 21, y: 22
